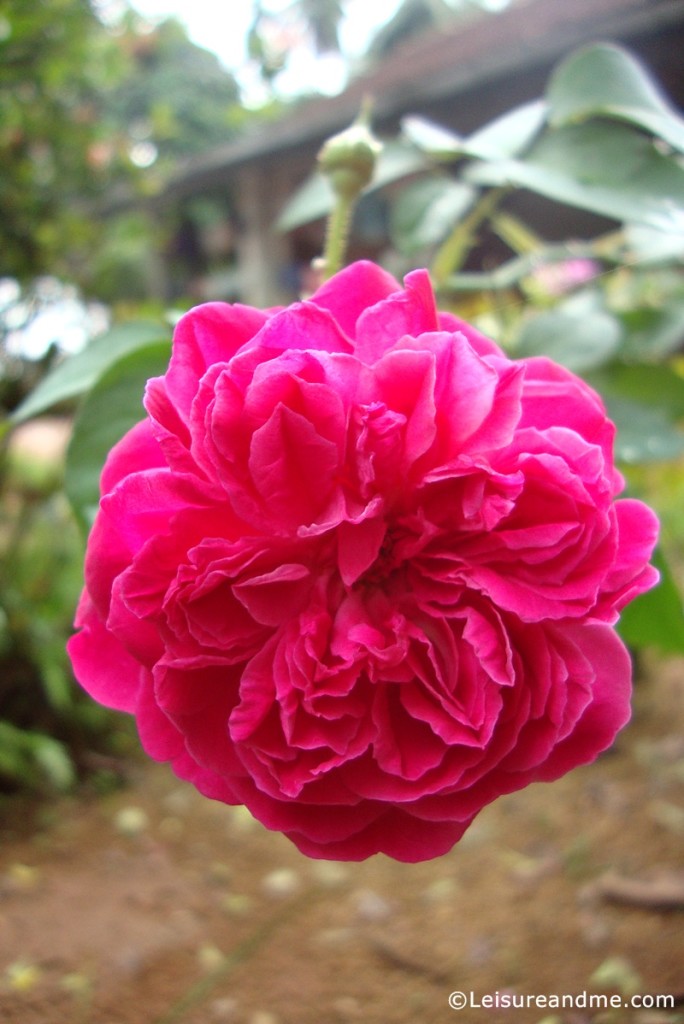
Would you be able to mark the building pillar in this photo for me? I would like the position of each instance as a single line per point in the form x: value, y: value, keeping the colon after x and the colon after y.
x: 263, y: 253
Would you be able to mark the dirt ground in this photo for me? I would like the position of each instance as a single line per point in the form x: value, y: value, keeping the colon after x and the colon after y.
x: 155, y: 906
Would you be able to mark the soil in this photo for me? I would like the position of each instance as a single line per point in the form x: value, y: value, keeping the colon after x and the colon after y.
x: 153, y: 905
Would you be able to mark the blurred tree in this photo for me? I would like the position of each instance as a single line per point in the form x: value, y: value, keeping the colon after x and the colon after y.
x: 176, y: 99
x: 56, y: 63
x: 274, y: 36
x: 324, y: 17
x: 83, y: 108
x: 416, y: 16
x: 313, y: 26
x: 412, y: 18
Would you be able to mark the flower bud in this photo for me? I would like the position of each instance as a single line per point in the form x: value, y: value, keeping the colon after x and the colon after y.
x: 348, y: 159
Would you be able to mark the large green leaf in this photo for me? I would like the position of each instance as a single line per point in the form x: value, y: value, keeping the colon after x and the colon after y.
x: 648, y: 245
x: 33, y: 758
x: 654, y: 333
x: 111, y: 408
x: 604, y: 80
x: 657, y: 617
x: 609, y: 169
x: 653, y: 384
x: 506, y: 136
x: 397, y: 160
x: 645, y: 433
x: 79, y: 372
x: 312, y: 200
x: 576, y: 335
x: 431, y: 138
x: 315, y: 198
x: 427, y: 210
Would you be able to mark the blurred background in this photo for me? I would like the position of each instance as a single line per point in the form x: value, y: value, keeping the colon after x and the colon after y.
x: 157, y: 154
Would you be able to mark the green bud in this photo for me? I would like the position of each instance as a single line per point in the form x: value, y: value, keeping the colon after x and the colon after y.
x: 348, y: 159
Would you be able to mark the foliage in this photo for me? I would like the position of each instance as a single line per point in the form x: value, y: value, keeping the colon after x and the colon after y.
x: 118, y: 391
x: 38, y: 324
x: 324, y: 17
x: 45, y: 723
x: 83, y: 109
x: 55, y: 66
x: 281, y: 31
x: 271, y: 36
x: 48, y: 729
x: 176, y: 99
x: 416, y: 16
x: 110, y: 373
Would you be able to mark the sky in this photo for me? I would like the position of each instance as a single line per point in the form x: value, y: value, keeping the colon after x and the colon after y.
x: 225, y: 34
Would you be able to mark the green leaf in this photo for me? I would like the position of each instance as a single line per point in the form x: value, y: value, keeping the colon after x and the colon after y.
x: 57, y: 682
x: 53, y: 758
x: 653, y: 384
x: 648, y: 245
x: 576, y: 337
x: 79, y: 372
x: 645, y: 433
x: 606, y: 81
x: 32, y: 758
x: 397, y: 160
x: 609, y: 169
x: 426, y: 211
x: 654, y: 333
x: 111, y: 408
x: 315, y: 199
x: 15, y: 760
x: 656, y: 619
x: 506, y: 136
x: 312, y: 200
x: 432, y: 138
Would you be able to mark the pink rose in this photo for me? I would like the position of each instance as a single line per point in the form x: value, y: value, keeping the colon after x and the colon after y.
x: 359, y: 571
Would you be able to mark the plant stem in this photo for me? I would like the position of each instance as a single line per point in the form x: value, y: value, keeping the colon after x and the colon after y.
x: 453, y: 252
x: 337, y: 234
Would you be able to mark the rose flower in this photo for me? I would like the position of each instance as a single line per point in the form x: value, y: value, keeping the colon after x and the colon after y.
x: 359, y: 571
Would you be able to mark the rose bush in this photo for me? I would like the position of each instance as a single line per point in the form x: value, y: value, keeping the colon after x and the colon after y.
x: 360, y: 571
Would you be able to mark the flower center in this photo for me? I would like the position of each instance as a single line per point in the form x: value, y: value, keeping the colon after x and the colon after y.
x: 389, y: 565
